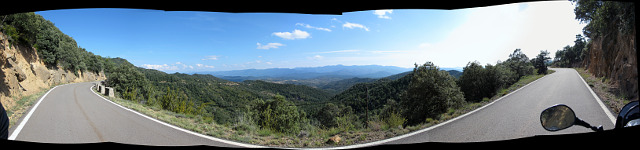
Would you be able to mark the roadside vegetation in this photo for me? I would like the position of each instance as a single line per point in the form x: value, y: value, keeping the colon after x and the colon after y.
x: 22, y: 106
x: 282, y: 115
x: 605, y: 90
x: 286, y: 115
x: 605, y: 21
x: 280, y: 121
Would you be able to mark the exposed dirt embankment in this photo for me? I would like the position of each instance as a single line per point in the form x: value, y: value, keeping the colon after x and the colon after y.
x: 23, y: 73
x: 613, y: 56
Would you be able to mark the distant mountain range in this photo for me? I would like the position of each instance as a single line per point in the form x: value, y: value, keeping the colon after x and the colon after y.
x: 334, y: 71
x: 334, y: 79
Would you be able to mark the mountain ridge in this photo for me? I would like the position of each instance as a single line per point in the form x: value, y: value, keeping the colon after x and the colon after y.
x: 303, y: 73
x: 369, y: 71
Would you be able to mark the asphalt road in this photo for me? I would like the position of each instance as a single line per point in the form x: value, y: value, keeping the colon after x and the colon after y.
x: 72, y: 113
x: 518, y: 115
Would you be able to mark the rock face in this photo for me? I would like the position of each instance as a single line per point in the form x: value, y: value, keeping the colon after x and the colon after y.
x: 23, y: 73
x: 614, y: 56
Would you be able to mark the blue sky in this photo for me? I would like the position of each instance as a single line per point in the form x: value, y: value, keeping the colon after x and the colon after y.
x: 190, y: 41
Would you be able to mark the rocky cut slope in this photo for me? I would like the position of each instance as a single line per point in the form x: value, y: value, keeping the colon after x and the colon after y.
x: 23, y: 73
x: 614, y: 56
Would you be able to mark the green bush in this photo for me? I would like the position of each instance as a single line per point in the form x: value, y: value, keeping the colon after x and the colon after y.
x: 264, y: 132
x: 126, y: 76
x: 477, y: 82
x: 327, y: 114
x: 395, y: 119
x: 429, y: 94
x: 473, y: 82
x: 53, y: 47
x: 130, y: 94
x: 12, y: 33
x: 519, y: 63
x: 345, y: 123
x: 279, y: 115
x: 540, y: 62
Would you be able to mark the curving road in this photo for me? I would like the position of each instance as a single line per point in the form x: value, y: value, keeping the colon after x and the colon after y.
x: 73, y: 113
x: 517, y: 115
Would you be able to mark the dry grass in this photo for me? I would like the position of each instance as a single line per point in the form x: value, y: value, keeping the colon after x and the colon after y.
x: 316, y: 137
x: 23, y: 105
x: 605, y: 90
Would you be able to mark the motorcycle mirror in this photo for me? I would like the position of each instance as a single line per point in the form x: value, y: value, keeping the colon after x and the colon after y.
x: 557, y: 117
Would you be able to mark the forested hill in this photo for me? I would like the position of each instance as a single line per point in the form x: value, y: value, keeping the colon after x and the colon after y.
x: 379, y: 92
x: 283, y: 108
x: 339, y: 71
x: 202, y: 93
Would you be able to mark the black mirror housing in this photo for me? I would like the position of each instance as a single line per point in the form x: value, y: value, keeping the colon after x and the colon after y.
x: 557, y: 117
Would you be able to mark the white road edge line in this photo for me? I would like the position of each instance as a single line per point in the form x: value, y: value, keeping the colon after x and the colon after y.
x: 604, y: 107
x: 432, y: 127
x: 15, y: 132
x: 178, y: 128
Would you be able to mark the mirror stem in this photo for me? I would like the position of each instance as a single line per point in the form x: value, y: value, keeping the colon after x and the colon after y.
x: 587, y: 125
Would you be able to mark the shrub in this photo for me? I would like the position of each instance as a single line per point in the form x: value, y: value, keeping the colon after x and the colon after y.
x: 345, y: 122
x: 477, y: 82
x: 264, y: 132
x: 473, y: 82
x: 279, y: 115
x: 327, y: 114
x: 395, y: 119
x: 430, y: 92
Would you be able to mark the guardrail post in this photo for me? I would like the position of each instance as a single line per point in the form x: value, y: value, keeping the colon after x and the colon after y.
x: 110, y: 91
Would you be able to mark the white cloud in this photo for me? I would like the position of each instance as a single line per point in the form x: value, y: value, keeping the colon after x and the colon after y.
x: 312, y: 27
x: 383, y: 13
x: 148, y: 66
x: 254, y: 62
x: 178, y: 66
x: 163, y: 67
x: 354, y: 25
x: 212, y: 57
x: 269, y: 45
x: 336, y: 20
x: 206, y: 66
x: 296, y: 34
x: 316, y: 57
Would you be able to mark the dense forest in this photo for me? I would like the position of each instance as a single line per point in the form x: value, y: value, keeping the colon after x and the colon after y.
x: 404, y: 99
x: 55, y: 48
